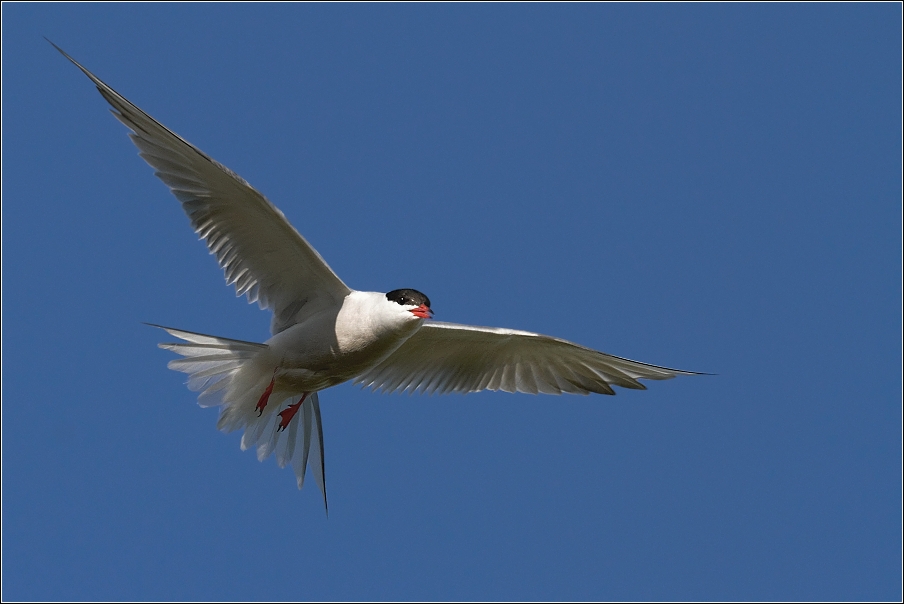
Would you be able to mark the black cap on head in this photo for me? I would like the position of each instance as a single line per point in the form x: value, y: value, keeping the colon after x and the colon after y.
x: 408, y: 297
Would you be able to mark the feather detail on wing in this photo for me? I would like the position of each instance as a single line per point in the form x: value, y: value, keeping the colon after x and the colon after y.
x: 260, y: 252
x: 447, y: 357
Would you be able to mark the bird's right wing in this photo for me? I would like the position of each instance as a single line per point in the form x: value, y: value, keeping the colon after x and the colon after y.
x: 448, y: 357
x: 259, y: 251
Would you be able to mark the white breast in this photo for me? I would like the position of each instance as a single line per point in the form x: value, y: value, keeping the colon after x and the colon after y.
x: 335, y: 345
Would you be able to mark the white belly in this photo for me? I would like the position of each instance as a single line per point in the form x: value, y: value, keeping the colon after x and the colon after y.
x: 330, y: 348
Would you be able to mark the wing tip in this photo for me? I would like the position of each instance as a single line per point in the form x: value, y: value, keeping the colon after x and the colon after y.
x: 93, y: 77
x: 61, y: 51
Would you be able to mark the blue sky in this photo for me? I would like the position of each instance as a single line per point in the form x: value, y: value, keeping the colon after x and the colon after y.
x: 713, y: 188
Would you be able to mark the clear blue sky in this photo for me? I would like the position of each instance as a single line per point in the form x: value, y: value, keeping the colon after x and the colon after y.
x: 713, y: 188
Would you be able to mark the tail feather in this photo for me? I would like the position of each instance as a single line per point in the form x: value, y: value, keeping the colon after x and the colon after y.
x: 232, y: 374
x: 254, y: 432
x: 317, y: 461
x: 266, y: 434
x: 213, y: 363
x: 200, y: 379
x: 213, y: 341
x: 312, y: 432
x: 301, y: 463
x: 213, y: 349
x: 285, y: 449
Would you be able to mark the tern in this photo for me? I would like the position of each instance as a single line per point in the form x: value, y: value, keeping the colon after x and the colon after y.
x: 323, y: 332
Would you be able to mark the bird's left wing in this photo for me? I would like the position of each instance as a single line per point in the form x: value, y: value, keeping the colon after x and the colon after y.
x: 448, y: 357
x: 259, y: 251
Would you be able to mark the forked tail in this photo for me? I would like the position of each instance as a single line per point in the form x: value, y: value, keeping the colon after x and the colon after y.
x: 232, y: 374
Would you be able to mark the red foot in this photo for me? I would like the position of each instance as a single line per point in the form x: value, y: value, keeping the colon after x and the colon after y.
x: 289, y: 412
x: 265, y: 396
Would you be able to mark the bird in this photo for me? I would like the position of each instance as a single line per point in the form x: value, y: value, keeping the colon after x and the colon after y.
x: 324, y: 333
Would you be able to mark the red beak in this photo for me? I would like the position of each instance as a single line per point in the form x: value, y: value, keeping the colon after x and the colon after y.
x: 423, y: 312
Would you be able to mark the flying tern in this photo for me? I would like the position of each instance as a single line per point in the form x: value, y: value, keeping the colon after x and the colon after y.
x: 323, y: 332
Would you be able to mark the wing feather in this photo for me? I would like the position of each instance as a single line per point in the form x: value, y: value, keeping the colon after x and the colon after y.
x: 259, y: 251
x: 448, y: 357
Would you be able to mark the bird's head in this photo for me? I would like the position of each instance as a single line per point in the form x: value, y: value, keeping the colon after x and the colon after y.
x: 413, y: 301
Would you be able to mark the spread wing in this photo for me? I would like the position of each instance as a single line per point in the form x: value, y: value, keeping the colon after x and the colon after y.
x: 260, y: 252
x: 447, y: 357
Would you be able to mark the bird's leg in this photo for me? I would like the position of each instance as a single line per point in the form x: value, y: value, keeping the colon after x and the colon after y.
x: 266, y: 395
x: 289, y: 412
